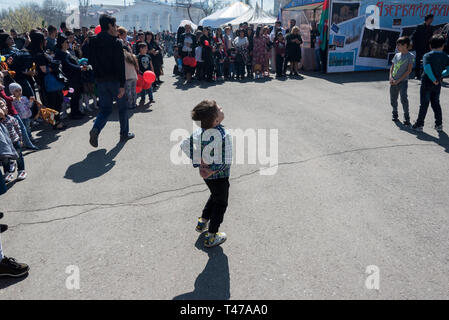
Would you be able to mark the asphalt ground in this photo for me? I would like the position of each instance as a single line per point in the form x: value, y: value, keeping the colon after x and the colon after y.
x: 354, y: 197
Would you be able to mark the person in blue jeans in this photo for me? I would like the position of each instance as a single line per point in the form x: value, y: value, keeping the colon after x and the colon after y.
x: 436, y: 66
x: 108, y: 62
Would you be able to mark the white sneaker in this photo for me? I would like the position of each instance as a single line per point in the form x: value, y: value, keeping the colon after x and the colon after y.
x: 63, y: 115
x: 202, y: 225
x: 22, y: 175
x: 213, y: 240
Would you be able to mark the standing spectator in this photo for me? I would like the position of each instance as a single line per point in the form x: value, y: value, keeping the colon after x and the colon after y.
x: 156, y: 57
x: 228, y: 38
x: 259, y: 53
x: 131, y: 69
x: 22, y: 64
x: 294, y: 42
x: 401, y: 67
x: 72, y: 70
x: 218, y: 39
x: 19, y: 42
x: 220, y: 56
x: 436, y: 65
x: 51, y: 39
x: 269, y: 45
x: 186, y: 42
x: 446, y: 36
x: 123, y: 35
x: 85, y: 47
x: 145, y: 64
x: 13, y: 112
x: 74, y: 46
x: 23, y: 107
x: 208, y: 59
x: 279, y: 48
x: 45, y: 65
x: 107, y: 59
x: 273, y: 38
x: 249, y: 64
x: 63, y: 27
x: 199, y: 75
x: 241, y: 44
x: 15, y: 134
x: 140, y: 38
x: 292, y: 24
x: 420, y: 39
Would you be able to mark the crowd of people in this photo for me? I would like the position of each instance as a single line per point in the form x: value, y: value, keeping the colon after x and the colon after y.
x: 227, y: 54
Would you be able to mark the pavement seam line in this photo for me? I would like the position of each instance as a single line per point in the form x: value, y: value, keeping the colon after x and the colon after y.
x: 132, y: 204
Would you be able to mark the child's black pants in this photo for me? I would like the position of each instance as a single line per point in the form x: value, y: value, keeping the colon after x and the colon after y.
x: 218, y: 202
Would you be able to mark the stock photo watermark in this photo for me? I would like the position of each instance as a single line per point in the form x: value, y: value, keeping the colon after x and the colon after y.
x: 372, y: 282
x: 72, y: 282
x: 250, y: 147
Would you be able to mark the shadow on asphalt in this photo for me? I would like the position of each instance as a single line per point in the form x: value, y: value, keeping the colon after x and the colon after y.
x: 342, y: 78
x: 181, y: 83
x: 213, y: 283
x: 96, y: 164
x: 7, y: 282
x: 442, y: 140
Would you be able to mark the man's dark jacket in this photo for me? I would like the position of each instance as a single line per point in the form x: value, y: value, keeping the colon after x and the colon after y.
x: 421, y: 38
x: 107, y: 59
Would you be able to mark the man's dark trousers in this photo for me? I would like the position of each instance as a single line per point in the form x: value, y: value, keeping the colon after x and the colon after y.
x: 430, y: 93
x: 107, y: 93
x: 218, y: 202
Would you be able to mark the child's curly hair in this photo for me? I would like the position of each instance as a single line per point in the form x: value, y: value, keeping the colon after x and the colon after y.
x: 206, y: 112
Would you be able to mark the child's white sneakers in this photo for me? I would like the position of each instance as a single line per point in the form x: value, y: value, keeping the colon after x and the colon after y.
x: 214, y: 239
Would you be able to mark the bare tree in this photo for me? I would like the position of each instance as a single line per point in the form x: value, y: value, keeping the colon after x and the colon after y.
x: 185, y: 4
x: 210, y: 6
x: 23, y: 19
x: 53, y: 11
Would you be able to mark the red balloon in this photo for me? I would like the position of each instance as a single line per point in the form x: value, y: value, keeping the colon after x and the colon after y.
x: 97, y: 29
x: 138, y: 89
x: 206, y: 43
x: 189, y: 61
x: 65, y: 92
x: 147, y: 86
x: 149, y: 77
x: 140, y: 80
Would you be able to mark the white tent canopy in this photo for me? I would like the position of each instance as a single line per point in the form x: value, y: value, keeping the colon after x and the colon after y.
x: 254, y: 16
x: 223, y: 16
x: 184, y: 22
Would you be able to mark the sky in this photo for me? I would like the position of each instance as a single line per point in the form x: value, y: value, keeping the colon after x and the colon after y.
x: 268, y: 4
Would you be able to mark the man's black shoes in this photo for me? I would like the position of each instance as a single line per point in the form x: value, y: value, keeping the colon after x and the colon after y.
x: 127, y: 137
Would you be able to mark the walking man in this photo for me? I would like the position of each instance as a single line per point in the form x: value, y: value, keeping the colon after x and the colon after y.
x: 108, y: 62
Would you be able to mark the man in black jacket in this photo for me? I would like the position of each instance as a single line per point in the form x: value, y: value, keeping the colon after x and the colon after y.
x: 108, y: 62
x: 420, y: 39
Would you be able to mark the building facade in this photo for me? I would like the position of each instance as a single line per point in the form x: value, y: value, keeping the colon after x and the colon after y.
x: 147, y: 15
x: 157, y: 16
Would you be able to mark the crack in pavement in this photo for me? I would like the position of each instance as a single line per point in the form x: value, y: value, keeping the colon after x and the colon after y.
x: 132, y: 203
